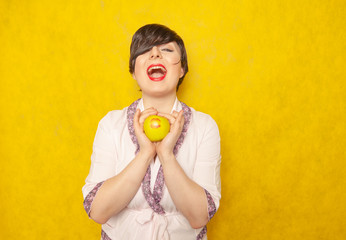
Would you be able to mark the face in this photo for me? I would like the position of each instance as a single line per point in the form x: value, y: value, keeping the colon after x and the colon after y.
x: 157, y: 71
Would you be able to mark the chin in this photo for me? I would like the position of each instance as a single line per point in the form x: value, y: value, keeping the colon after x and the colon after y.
x: 158, y: 92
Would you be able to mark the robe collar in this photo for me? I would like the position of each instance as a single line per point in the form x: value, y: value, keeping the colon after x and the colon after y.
x: 154, y: 198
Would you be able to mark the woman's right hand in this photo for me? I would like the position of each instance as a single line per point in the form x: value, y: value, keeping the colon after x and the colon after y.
x: 146, y: 146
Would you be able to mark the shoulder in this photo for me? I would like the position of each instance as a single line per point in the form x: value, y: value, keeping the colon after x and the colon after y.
x: 203, y: 120
x: 114, y: 119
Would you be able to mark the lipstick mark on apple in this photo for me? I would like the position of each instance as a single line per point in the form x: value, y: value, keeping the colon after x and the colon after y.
x: 155, y: 123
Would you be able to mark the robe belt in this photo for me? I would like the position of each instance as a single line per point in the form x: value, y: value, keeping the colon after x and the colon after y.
x: 159, y: 223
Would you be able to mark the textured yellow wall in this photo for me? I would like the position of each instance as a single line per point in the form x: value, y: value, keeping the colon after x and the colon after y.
x: 271, y: 73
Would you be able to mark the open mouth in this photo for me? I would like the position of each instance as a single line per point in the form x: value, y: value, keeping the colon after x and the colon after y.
x: 156, y: 72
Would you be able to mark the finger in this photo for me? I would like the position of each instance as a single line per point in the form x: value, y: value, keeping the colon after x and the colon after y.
x: 179, y: 122
x: 181, y: 115
x: 136, y: 116
x: 146, y: 114
x: 170, y: 118
x: 136, y: 121
x: 149, y: 112
x: 151, y: 109
x: 175, y: 114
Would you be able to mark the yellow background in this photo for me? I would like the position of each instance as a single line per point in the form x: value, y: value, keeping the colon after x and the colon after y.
x: 271, y: 73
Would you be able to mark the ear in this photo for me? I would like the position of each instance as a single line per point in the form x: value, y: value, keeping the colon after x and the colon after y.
x: 181, y: 72
x: 134, y: 76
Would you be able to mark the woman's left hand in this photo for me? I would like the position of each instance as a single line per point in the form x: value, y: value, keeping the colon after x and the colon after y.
x: 166, y: 146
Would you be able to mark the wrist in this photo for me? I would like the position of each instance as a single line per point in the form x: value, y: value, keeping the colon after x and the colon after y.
x: 146, y: 156
x: 166, y: 157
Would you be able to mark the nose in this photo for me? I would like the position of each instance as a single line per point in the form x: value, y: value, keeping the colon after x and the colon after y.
x: 155, y: 53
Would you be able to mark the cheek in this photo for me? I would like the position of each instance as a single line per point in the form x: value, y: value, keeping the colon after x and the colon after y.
x: 138, y: 68
x: 174, y: 58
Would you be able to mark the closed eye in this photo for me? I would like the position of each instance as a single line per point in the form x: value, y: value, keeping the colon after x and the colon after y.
x: 167, y: 50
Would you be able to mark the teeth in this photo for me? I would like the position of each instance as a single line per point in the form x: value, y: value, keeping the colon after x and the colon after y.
x: 156, y: 67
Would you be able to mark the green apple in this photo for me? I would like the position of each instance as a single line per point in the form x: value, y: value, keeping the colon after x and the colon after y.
x: 156, y: 127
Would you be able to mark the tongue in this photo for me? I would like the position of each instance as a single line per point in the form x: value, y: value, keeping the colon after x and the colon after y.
x: 157, y: 73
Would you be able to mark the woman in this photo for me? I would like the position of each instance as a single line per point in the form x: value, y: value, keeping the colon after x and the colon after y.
x: 170, y: 189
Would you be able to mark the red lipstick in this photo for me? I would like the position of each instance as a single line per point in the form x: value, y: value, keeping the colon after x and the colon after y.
x: 156, y: 72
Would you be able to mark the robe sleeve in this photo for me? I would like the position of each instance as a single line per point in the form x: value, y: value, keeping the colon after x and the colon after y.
x: 103, y: 162
x: 207, y: 167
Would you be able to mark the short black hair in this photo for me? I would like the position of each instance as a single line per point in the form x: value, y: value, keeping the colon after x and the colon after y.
x: 150, y: 35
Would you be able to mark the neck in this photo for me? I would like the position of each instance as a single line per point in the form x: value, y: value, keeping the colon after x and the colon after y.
x: 163, y: 104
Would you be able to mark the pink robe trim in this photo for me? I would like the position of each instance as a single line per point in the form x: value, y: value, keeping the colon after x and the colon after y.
x: 154, y: 198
